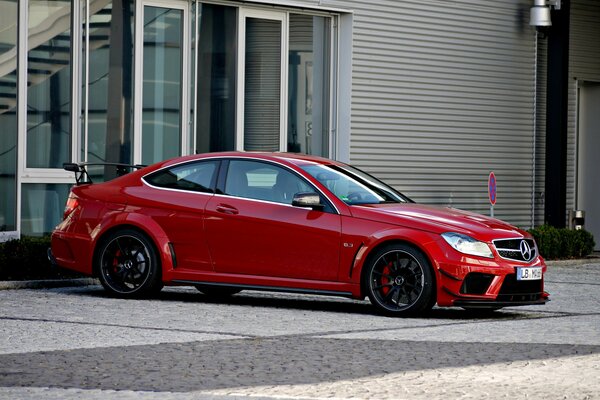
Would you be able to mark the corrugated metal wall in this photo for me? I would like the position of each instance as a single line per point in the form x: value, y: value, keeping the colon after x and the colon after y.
x: 443, y: 93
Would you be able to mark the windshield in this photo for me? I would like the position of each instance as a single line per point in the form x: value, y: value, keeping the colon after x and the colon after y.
x: 354, y: 186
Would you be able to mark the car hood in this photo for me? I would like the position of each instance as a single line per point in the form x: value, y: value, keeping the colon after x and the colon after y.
x: 438, y: 220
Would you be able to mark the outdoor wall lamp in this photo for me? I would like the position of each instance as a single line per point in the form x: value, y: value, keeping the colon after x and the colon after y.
x: 540, y: 12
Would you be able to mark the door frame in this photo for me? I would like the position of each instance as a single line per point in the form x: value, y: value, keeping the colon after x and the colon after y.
x: 282, y: 16
x: 578, y: 179
x: 184, y: 133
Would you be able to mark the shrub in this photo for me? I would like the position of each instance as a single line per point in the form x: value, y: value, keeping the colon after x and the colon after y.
x: 26, y: 258
x: 554, y: 243
x: 583, y: 243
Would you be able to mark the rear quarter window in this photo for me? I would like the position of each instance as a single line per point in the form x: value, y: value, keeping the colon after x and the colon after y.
x: 195, y: 177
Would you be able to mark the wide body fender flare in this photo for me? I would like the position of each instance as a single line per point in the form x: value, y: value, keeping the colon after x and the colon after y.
x: 143, y: 223
x: 424, y: 241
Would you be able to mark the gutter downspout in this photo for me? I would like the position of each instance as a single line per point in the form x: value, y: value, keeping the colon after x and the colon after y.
x: 534, y: 153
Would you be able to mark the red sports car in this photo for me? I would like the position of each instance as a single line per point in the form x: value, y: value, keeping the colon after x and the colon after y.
x: 226, y: 222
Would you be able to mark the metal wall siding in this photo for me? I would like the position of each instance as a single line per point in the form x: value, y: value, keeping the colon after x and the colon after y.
x: 442, y: 94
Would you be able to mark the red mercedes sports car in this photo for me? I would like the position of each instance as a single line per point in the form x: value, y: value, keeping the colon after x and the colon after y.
x: 226, y: 222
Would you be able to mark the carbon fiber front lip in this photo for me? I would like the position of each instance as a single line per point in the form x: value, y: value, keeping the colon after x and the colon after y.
x: 486, y: 304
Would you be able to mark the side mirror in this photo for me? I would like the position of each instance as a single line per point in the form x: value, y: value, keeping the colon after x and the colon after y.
x: 308, y: 199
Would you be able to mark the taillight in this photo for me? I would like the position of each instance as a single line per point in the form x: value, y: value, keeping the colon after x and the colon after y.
x: 71, y: 205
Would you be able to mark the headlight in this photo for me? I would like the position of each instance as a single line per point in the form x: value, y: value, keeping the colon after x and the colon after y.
x: 468, y: 245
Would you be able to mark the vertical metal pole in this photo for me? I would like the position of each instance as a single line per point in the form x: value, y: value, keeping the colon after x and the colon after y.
x: 86, y: 83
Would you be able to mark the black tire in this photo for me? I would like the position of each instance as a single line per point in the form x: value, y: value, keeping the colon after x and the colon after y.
x: 128, y: 265
x: 399, y: 281
x: 217, y: 291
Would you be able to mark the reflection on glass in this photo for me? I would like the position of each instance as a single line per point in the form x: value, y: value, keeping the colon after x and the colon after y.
x: 308, y: 85
x: 216, y: 79
x: 262, y: 85
x: 161, y: 115
x: 49, y: 84
x: 8, y: 114
x: 41, y: 207
x: 109, y: 98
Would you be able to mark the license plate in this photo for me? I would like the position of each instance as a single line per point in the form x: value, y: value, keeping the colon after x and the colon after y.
x: 529, y: 273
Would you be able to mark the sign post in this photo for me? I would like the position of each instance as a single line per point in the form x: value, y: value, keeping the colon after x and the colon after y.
x: 492, y: 192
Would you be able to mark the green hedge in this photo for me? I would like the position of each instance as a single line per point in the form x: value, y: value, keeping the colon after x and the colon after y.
x: 554, y: 243
x: 26, y: 258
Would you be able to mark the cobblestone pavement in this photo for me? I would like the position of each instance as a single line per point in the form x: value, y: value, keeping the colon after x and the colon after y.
x: 73, y: 343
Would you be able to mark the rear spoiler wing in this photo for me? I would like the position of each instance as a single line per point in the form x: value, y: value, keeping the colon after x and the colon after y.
x: 82, y: 176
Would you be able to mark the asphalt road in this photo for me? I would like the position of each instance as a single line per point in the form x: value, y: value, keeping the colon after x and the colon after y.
x: 73, y: 343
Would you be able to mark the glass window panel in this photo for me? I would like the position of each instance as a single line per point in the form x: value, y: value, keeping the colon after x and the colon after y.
x: 161, y: 114
x: 8, y: 114
x: 49, y: 84
x: 308, y: 84
x: 197, y: 177
x: 262, y: 89
x: 41, y: 207
x: 262, y: 181
x: 216, y: 79
x: 109, y: 90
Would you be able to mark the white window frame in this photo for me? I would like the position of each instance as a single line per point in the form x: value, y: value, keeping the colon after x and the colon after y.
x: 43, y: 175
x: 281, y: 16
x: 184, y: 6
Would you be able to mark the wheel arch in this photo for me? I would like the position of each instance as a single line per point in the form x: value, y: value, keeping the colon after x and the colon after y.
x: 150, y: 229
x: 373, y: 249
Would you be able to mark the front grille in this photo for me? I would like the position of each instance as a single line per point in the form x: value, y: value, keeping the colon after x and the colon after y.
x: 514, y: 290
x: 511, y: 249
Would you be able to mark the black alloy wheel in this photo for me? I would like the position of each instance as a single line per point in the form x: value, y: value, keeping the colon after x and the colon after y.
x: 128, y: 265
x: 399, y: 281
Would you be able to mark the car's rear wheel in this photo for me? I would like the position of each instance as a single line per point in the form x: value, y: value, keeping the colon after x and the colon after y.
x: 399, y: 281
x: 128, y: 264
x: 217, y: 291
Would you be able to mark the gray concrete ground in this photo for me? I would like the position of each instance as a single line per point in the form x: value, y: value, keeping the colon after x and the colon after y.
x: 76, y: 342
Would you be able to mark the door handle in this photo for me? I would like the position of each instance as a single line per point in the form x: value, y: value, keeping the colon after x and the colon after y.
x: 225, y: 209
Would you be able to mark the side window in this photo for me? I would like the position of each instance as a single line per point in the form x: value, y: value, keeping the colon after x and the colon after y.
x: 195, y: 177
x: 262, y: 181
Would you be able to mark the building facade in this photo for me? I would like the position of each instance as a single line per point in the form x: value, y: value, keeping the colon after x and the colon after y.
x: 429, y: 96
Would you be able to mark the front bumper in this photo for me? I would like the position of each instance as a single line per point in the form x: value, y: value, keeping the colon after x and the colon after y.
x: 474, y: 282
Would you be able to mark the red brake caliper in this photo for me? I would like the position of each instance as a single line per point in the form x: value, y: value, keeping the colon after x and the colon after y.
x: 115, y: 262
x: 385, y: 280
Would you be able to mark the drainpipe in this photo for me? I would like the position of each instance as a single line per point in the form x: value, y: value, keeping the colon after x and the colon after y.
x: 533, y: 156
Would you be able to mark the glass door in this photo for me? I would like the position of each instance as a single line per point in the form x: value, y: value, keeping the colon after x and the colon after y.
x: 261, y: 114
x: 161, y: 124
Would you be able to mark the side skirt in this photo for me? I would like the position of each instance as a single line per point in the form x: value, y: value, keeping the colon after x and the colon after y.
x: 280, y: 289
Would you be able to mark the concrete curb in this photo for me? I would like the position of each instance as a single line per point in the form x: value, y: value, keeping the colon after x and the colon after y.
x: 47, y: 283
x: 573, y: 263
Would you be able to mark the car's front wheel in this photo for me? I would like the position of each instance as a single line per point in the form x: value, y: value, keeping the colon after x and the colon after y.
x: 128, y: 264
x: 399, y: 280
